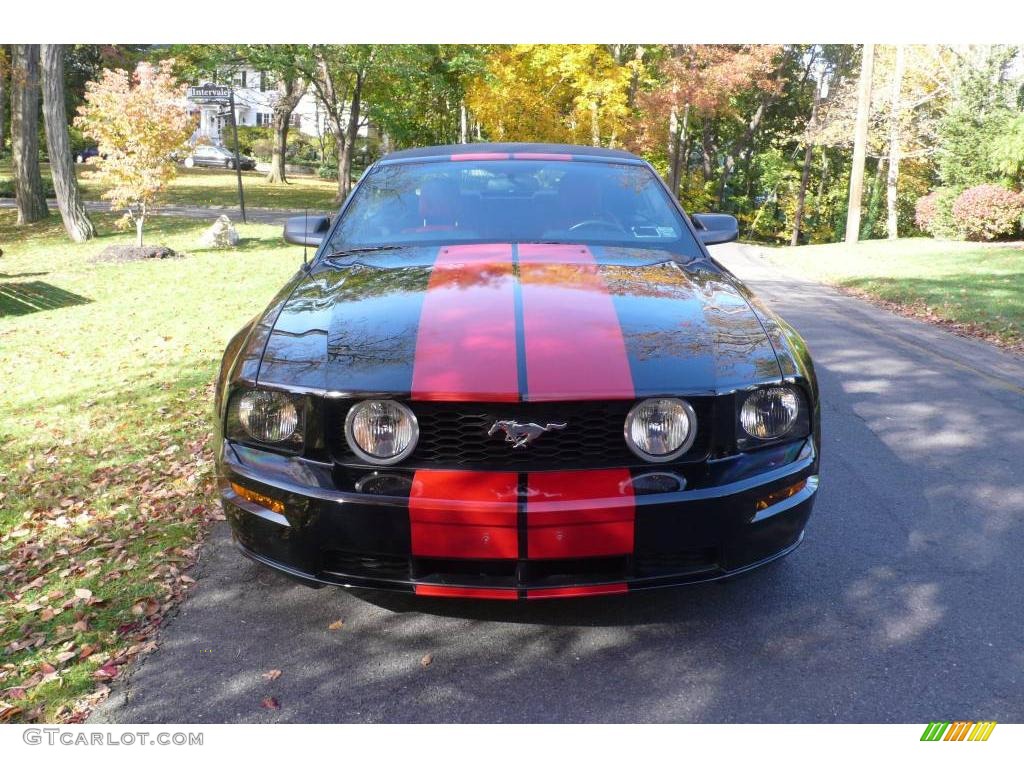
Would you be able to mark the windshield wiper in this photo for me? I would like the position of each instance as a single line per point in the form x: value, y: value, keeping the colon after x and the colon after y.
x: 343, y: 252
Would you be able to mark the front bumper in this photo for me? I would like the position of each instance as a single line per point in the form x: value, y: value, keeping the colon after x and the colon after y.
x: 519, y: 535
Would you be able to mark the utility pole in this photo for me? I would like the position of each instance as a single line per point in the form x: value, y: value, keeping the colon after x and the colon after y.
x: 238, y: 159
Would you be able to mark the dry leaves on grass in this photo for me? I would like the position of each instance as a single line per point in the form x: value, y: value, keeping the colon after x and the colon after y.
x: 336, y: 625
x: 122, y: 529
x: 272, y: 674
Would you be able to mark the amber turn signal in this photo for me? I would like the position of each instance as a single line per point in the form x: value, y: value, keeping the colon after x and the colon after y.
x: 258, y: 498
x: 776, y: 496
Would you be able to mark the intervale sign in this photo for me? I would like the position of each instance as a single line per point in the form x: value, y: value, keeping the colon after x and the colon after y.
x: 209, y: 93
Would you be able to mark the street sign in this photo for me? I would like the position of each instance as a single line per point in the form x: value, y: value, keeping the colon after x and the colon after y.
x: 209, y: 93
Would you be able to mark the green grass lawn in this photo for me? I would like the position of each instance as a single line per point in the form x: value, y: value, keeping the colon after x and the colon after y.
x: 203, y: 186
x: 977, y: 287
x: 105, y: 409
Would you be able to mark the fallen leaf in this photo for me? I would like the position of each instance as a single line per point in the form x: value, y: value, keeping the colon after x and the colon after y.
x: 106, y: 672
x: 427, y: 660
x: 83, y: 594
x: 80, y: 626
x: 336, y: 625
x: 272, y: 674
x: 269, y: 702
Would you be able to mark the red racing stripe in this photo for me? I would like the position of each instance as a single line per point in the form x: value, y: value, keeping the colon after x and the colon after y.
x: 573, y: 339
x: 586, y: 513
x: 592, y: 590
x: 438, y: 590
x: 480, y: 156
x: 464, y: 514
x: 466, y: 343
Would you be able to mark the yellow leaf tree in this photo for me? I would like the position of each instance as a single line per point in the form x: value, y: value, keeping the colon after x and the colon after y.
x: 139, y: 122
x: 558, y: 93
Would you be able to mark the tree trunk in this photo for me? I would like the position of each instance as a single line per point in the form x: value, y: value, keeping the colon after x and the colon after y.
x: 463, y: 124
x: 3, y: 98
x: 874, y: 201
x: 892, y: 220
x: 860, y: 142
x: 595, y: 125
x: 672, y: 149
x: 351, y: 133
x: 740, y: 148
x: 294, y: 87
x: 58, y: 145
x: 708, y: 152
x: 805, y: 174
x: 28, y: 184
x: 139, y: 220
x: 678, y: 140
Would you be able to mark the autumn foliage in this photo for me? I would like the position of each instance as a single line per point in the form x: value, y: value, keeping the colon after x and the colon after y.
x: 705, y: 78
x: 139, y: 122
x: 560, y: 93
x: 987, y: 211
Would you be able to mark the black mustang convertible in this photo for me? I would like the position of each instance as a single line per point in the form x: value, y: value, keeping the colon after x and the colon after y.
x: 514, y: 371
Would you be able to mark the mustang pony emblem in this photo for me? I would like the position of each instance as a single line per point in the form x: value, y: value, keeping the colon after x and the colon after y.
x: 521, y: 435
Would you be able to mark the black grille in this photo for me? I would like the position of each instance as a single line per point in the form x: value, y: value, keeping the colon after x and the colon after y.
x: 679, y: 562
x: 365, y: 564
x: 454, y: 436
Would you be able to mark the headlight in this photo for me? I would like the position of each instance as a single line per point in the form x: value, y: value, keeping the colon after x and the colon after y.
x: 770, y: 413
x: 381, y: 431
x: 268, y: 416
x: 661, y: 428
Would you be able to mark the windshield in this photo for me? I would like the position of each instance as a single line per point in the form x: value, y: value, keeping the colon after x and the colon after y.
x: 436, y: 203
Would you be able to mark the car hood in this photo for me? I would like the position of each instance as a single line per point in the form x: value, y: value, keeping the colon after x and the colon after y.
x: 509, y: 322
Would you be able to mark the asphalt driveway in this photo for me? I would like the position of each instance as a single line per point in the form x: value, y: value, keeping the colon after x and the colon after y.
x: 903, y: 605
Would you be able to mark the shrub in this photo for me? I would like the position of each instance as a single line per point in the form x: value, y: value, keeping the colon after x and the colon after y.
x: 328, y: 169
x: 7, y: 187
x: 987, y: 211
x: 933, y: 213
x: 248, y: 136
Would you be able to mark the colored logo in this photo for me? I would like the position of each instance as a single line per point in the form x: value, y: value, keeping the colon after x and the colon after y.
x: 961, y: 730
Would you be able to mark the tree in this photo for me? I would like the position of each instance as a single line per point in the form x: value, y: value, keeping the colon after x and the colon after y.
x: 28, y: 183
x: 418, y: 93
x: 557, y: 93
x: 860, y: 143
x: 139, y: 123
x: 279, y: 62
x: 703, y: 80
x: 892, y: 218
x: 4, y: 75
x: 338, y: 75
x: 980, y: 107
x: 58, y: 145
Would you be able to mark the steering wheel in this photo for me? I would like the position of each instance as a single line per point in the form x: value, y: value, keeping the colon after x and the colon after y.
x: 598, y: 223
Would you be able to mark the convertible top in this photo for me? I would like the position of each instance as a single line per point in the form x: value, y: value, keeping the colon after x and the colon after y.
x: 508, y: 148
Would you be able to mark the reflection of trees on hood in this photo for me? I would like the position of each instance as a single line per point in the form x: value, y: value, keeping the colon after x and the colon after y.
x: 692, y: 314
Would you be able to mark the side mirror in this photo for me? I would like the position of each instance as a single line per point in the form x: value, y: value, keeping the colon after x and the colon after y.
x: 716, y: 228
x: 306, y: 230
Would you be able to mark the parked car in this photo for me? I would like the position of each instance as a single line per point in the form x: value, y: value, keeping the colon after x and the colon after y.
x: 206, y: 156
x: 83, y: 155
x: 515, y: 371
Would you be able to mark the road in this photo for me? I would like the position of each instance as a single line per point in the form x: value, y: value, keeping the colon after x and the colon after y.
x: 903, y: 604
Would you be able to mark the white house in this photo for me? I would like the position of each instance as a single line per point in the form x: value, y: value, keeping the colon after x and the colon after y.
x: 255, y: 96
